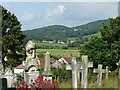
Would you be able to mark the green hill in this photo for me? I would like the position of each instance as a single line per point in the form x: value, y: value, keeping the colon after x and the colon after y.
x: 60, y: 32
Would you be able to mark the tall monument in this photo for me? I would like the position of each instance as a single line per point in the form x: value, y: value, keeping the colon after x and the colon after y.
x: 47, y: 69
x: 30, y: 65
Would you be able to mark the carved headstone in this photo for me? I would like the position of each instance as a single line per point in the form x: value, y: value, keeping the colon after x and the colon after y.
x: 30, y: 50
x: 31, y: 64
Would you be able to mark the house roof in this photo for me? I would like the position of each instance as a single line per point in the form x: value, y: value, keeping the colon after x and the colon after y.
x: 57, y: 64
x: 68, y: 59
x: 42, y: 61
x: 53, y: 62
x: 19, y: 67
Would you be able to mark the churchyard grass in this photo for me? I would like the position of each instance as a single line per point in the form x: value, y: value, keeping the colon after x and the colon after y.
x: 112, y: 82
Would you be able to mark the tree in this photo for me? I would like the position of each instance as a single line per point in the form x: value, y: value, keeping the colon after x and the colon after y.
x: 12, y: 38
x: 104, y: 49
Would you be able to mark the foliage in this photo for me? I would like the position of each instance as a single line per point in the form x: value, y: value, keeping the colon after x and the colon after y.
x: 104, y: 49
x: 62, y: 74
x: 40, y: 55
x: 12, y: 38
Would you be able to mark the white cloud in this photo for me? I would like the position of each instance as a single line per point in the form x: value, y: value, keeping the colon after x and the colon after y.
x: 26, y: 17
x: 56, y: 12
x: 59, y: 9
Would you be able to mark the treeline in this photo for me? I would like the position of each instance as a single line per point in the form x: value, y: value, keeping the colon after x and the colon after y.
x: 59, y: 32
x: 105, y: 48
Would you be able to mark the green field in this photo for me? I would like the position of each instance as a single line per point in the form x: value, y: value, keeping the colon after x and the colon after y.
x: 50, y: 45
x: 57, y: 52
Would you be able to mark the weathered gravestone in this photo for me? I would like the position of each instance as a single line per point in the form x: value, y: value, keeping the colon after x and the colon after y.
x: 74, y: 67
x: 3, y: 83
x: 47, y: 70
x: 30, y: 65
x: 11, y: 78
x: 107, y: 72
x: 85, y: 66
x: 99, y: 76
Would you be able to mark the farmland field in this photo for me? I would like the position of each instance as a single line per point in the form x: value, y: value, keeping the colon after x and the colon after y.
x: 57, y: 52
x: 50, y: 45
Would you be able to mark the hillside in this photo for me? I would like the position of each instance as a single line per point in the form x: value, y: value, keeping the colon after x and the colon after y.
x: 59, y: 32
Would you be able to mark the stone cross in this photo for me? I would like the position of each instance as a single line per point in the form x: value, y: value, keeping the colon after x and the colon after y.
x: 47, y: 70
x: 99, y: 71
x: 74, y: 67
x: 118, y: 64
x: 85, y: 66
x: 107, y: 72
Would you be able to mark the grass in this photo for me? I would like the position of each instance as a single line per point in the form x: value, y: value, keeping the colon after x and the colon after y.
x: 112, y: 82
x: 53, y: 45
x: 61, y: 52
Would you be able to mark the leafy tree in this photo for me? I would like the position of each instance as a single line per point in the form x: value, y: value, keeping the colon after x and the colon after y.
x: 104, y: 49
x: 12, y: 38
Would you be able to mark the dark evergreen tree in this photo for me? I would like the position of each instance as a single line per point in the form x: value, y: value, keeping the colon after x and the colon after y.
x: 12, y: 38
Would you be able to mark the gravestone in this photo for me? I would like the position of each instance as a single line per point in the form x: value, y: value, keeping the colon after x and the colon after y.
x: 31, y: 76
x: 85, y: 66
x: 30, y: 65
x: 11, y: 78
x: 99, y: 76
x: 47, y: 69
x: 107, y: 72
x: 74, y: 67
x: 3, y: 83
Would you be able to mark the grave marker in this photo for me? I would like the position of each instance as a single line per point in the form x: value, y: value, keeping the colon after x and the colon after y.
x: 85, y: 66
x: 47, y: 70
x: 99, y: 76
x: 107, y: 72
x: 74, y: 67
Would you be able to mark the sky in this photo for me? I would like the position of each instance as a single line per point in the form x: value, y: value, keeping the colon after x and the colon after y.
x: 38, y: 14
